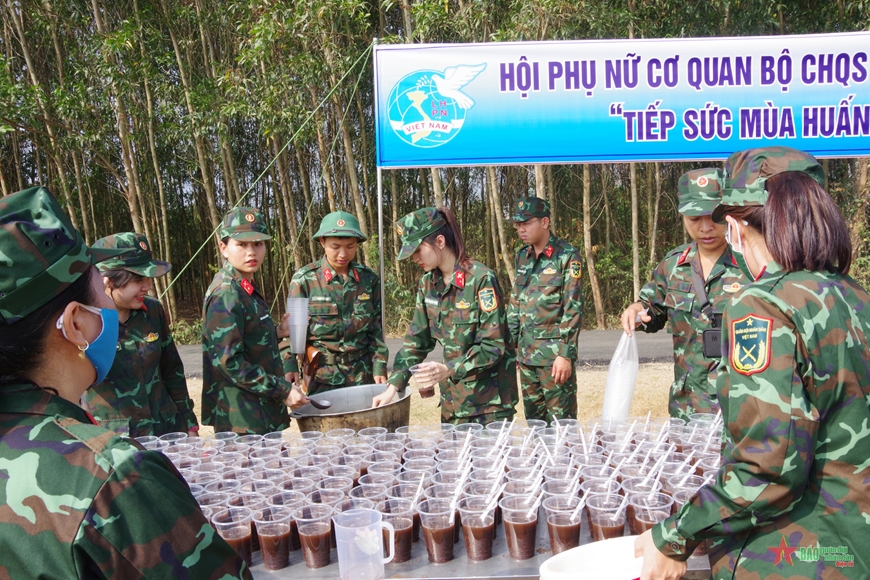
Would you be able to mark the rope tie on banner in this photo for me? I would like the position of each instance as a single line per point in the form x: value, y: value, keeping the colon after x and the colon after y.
x: 362, y: 58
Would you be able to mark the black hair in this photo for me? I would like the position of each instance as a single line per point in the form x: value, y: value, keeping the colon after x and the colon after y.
x: 22, y: 343
x: 119, y: 278
x: 452, y: 237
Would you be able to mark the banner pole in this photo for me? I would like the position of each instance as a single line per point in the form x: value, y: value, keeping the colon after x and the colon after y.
x: 381, y: 246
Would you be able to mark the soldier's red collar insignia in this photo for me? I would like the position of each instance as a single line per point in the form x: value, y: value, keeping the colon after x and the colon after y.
x: 488, y: 300
x: 249, y: 217
x: 459, y: 278
x: 684, y: 255
x: 576, y: 269
x: 327, y: 273
x: 548, y: 251
x: 91, y: 418
x: 143, y: 307
x: 732, y: 288
x: 750, y: 344
x: 151, y: 337
x: 247, y: 286
x: 355, y: 274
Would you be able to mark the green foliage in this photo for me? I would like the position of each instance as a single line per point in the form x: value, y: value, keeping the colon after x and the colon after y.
x: 185, y: 332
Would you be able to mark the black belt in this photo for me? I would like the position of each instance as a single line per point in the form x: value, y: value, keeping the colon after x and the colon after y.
x: 347, y: 358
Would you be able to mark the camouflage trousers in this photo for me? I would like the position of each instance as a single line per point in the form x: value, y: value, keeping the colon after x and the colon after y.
x: 543, y: 398
x: 359, y: 373
x: 480, y: 419
x: 684, y: 401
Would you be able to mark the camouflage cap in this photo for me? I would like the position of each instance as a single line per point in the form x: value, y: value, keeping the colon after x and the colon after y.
x: 700, y: 191
x: 245, y: 224
x: 340, y: 224
x: 41, y: 252
x: 746, y: 173
x: 417, y: 225
x: 138, y: 260
x: 527, y: 208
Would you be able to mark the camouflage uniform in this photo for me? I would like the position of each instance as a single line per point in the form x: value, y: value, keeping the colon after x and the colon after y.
x: 671, y: 300
x: 345, y: 311
x: 793, y: 483
x: 145, y: 392
x: 242, y: 373
x: 466, y: 315
x: 76, y: 500
x: 544, y: 318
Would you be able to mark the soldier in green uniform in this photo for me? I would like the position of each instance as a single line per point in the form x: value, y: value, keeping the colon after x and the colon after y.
x: 790, y: 499
x: 76, y: 500
x: 344, y: 304
x: 243, y: 384
x: 545, y: 312
x: 460, y: 305
x: 145, y: 392
x: 687, y: 294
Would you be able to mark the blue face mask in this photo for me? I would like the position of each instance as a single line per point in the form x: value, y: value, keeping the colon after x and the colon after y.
x: 101, y: 352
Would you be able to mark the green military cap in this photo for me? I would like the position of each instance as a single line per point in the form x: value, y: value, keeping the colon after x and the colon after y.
x: 417, y: 225
x: 245, y: 224
x: 700, y: 191
x: 340, y: 224
x: 527, y: 208
x: 40, y: 251
x: 746, y: 173
x: 138, y: 260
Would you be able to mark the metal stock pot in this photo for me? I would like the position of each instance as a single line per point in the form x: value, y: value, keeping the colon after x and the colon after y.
x: 352, y: 408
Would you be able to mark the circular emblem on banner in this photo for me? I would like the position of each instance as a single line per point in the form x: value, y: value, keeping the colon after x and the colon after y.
x: 249, y: 217
x: 143, y: 245
x: 340, y: 223
x: 427, y: 108
x: 702, y: 181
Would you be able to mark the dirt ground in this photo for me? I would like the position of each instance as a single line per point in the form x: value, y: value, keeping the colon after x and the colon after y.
x: 650, y: 395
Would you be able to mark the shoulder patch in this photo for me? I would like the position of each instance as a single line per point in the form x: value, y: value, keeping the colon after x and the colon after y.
x: 750, y: 344
x: 576, y: 269
x: 488, y: 300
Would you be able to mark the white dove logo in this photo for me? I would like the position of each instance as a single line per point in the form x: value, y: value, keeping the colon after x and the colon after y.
x: 428, y: 108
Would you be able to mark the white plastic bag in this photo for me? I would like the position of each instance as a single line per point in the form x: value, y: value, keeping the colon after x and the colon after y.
x: 621, y: 380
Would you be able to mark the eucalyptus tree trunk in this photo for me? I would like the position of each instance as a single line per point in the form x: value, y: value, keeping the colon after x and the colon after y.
x: 306, y: 194
x: 655, y: 217
x: 324, y: 154
x: 494, y: 198
x: 551, y: 185
x: 436, y: 186
x: 587, y: 244
x: 635, y: 235
x: 540, y: 183
x: 608, y: 219
x: 424, y: 188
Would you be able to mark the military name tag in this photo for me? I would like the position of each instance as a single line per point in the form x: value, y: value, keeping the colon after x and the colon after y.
x: 750, y: 344
x: 487, y: 299
x: 320, y: 299
x: 432, y: 301
x: 576, y: 269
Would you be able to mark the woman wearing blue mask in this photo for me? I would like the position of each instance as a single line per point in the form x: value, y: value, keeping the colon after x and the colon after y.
x: 76, y: 500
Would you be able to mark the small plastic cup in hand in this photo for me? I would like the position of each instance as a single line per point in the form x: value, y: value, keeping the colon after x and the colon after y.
x: 427, y: 391
x: 298, y: 310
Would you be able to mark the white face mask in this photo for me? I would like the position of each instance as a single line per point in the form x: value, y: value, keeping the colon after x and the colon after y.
x: 737, y: 250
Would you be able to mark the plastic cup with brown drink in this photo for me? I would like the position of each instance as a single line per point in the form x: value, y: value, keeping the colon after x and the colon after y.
x: 253, y: 501
x: 681, y: 496
x: 273, y: 528
x: 520, y: 518
x: 606, y: 515
x: 407, y: 491
x: 648, y: 509
x: 437, y: 524
x: 446, y: 491
x: 427, y: 391
x: 234, y: 526
x: 314, y: 523
x: 563, y: 527
x: 400, y: 513
x: 478, y: 527
x: 291, y: 500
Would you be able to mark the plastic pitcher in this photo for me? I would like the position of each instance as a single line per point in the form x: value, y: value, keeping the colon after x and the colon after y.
x: 360, y: 542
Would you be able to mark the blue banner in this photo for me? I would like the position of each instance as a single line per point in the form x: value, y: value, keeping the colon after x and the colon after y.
x: 620, y: 100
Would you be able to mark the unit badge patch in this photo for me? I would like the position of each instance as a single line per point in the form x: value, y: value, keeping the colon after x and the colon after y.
x: 750, y: 344
x: 576, y: 269
x: 487, y: 299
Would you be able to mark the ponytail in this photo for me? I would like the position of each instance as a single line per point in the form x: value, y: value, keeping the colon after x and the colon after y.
x: 452, y: 237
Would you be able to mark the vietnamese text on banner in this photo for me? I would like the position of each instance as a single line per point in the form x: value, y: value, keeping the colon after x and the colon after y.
x: 621, y: 100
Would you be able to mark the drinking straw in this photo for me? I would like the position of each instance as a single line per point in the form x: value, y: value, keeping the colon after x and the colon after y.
x: 534, y: 491
x: 658, y: 464
x: 465, y: 446
x: 661, y: 434
x: 685, y: 462
x: 499, y: 438
x: 619, y: 510
x: 718, y: 417
x: 710, y: 436
x: 492, y: 499
x: 692, y: 434
x: 583, y: 441
x: 628, y: 436
x: 527, y: 438
x: 534, y: 506
x: 594, y: 429
x: 549, y: 455
x: 419, y: 489
x: 708, y: 479
x: 648, y: 417
x: 576, y: 513
x: 616, y: 471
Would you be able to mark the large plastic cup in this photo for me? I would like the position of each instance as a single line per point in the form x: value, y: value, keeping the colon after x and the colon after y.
x: 400, y: 513
x: 313, y: 525
x: 564, y: 531
x: 273, y: 528
x: 234, y: 526
x: 298, y: 310
x: 520, y: 526
x: 478, y: 527
x: 360, y: 543
x: 606, y: 516
x: 647, y: 510
x: 437, y: 529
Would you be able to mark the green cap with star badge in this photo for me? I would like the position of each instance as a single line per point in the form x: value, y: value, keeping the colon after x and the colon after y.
x: 746, y: 173
x: 138, y: 260
x: 700, y: 191
x: 245, y: 224
x: 40, y: 251
x: 417, y: 225
x: 527, y: 208
x: 340, y: 224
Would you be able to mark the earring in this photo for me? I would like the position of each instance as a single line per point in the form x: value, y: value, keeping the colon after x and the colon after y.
x: 84, y: 348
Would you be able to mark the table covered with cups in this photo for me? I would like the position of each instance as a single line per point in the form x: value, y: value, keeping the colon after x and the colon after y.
x: 442, y: 501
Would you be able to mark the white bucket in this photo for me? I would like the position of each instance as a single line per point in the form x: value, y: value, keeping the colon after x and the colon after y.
x: 607, y: 560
